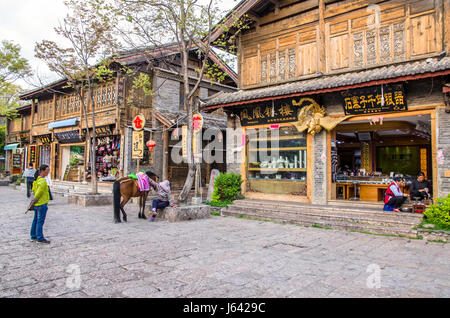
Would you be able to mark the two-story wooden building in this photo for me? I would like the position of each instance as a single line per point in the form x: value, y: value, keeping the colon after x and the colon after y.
x: 337, y: 97
x: 17, y: 140
x: 59, y: 130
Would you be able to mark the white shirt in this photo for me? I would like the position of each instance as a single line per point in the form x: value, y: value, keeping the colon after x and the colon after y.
x: 395, y: 188
x: 49, y: 180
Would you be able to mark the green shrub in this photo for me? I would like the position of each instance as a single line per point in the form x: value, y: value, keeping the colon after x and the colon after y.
x: 439, y: 213
x: 227, y: 187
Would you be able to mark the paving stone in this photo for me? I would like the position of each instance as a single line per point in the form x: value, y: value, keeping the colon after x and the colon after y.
x: 213, y: 257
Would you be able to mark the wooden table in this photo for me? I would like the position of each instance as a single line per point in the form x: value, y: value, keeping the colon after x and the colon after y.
x: 367, y: 191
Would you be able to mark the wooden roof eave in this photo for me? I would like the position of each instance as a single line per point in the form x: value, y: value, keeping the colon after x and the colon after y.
x: 332, y: 90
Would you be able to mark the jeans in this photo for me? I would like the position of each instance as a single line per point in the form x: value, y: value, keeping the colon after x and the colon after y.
x: 40, y: 212
x: 158, y: 204
x: 29, y: 187
x: 396, y: 202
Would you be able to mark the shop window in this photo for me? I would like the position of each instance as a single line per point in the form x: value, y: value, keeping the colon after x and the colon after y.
x: 277, y: 160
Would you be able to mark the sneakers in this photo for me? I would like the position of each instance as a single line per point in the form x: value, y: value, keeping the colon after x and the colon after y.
x: 154, y: 214
x: 32, y: 240
x: 43, y: 242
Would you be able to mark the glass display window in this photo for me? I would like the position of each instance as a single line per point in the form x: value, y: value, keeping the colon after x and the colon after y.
x: 277, y: 154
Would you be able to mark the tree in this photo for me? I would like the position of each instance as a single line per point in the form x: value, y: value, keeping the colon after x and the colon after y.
x: 84, y: 63
x: 187, y: 25
x: 12, y: 68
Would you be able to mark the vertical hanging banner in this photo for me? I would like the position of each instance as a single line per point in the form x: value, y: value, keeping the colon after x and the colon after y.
x: 137, y: 151
x: 184, y: 141
x: 197, y: 137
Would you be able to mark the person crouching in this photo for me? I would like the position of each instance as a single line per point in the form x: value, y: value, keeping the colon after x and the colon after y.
x: 164, y: 198
x: 394, y: 196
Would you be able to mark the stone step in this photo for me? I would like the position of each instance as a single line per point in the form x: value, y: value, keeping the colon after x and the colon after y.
x: 322, y: 209
x: 326, y: 216
x: 334, y: 224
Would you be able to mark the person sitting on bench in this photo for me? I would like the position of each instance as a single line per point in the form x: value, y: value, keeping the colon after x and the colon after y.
x: 394, y: 196
x: 420, y: 188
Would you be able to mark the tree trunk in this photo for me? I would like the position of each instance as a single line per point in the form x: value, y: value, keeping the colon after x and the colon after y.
x: 189, y: 109
x: 94, y: 182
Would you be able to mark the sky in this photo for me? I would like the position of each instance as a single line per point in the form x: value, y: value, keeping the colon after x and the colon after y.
x: 26, y: 22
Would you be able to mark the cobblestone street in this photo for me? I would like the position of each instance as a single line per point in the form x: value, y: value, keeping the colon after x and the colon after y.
x: 90, y: 256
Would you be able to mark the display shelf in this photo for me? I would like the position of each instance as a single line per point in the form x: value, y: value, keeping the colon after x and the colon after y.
x: 277, y: 169
x: 278, y: 149
x: 268, y: 179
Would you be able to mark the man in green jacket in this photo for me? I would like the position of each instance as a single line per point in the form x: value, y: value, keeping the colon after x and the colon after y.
x: 41, y: 197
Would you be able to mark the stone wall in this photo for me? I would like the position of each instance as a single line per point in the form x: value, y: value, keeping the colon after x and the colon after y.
x: 167, y: 97
x: 233, y: 147
x: 443, y: 143
x: 319, y: 193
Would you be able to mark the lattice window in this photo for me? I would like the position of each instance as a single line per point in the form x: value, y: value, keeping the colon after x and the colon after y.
x: 385, y: 44
x: 399, y: 41
x: 273, y: 67
x: 281, y: 65
x: 263, y: 68
x: 292, y: 62
x: 371, y: 47
x: 358, y: 55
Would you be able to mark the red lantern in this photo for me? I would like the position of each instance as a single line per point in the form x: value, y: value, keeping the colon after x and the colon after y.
x: 151, y: 144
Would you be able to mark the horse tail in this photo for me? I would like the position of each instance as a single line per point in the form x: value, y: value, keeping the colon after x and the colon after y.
x: 116, y: 201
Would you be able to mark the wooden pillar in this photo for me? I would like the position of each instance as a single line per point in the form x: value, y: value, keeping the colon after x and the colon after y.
x: 33, y: 106
x: 446, y: 26
x: 321, y: 33
x: 165, y: 166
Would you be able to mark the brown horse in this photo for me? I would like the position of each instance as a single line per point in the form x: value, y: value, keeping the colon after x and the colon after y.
x: 127, y: 188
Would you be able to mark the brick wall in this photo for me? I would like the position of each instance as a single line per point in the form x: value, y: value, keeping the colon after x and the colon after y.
x: 319, y: 169
x: 443, y: 143
x: 167, y: 97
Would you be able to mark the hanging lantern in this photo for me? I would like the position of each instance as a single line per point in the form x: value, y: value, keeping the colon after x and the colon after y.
x: 151, y: 144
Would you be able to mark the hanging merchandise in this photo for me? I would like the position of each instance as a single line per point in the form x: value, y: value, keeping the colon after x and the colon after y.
x: 108, y: 157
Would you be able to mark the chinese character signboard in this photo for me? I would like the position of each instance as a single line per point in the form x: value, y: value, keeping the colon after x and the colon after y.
x: 279, y: 111
x: 66, y: 137
x: 139, y: 122
x: 197, y: 122
x: 375, y: 99
x: 46, y: 139
x: 138, y: 145
x: 32, y: 154
x: 103, y: 131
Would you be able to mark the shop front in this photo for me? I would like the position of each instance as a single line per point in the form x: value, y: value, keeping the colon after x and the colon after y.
x: 70, y: 155
x: 107, y: 163
x: 381, y: 140
x: 276, y: 163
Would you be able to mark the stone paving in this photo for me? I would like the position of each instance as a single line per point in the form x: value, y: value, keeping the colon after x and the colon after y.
x: 90, y: 256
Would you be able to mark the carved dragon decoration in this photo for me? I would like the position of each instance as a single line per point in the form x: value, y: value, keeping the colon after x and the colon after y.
x: 312, y: 117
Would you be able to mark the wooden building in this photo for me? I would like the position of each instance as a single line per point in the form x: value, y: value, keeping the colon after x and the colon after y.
x: 58, y: 133
x: 17, y: 140
x: 337, y: 97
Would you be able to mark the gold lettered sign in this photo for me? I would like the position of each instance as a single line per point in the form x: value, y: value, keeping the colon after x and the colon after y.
x: 270, y: 112
x: 138, y: 145
x: 374, y: 99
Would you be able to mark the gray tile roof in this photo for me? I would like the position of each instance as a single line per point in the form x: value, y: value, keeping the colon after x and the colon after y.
x: 429, y: 65
x: 179, y: 118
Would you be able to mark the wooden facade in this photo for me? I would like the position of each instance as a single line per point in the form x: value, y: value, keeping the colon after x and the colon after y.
x: 320, y: 49
x: 307, y: 37
x: 60, y: 128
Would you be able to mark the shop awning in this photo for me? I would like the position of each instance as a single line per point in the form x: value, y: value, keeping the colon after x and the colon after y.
x: 11, y: 146
x: 63, y: 123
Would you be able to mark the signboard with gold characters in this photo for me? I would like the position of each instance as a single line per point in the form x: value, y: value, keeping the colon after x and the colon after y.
x: 374, y: 99
x: 269, y: 112
x: 138, y: 145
